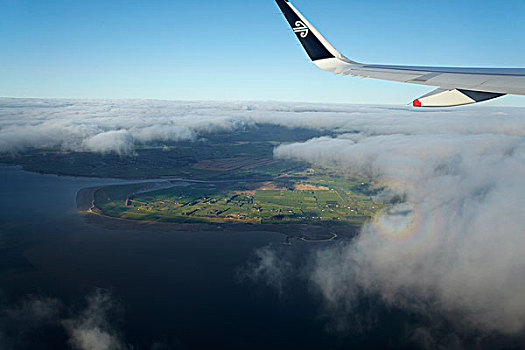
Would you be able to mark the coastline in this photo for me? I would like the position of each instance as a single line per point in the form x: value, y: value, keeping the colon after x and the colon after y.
x: 308, y: 233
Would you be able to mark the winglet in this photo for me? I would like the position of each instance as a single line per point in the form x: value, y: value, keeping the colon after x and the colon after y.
x: 316, y: 46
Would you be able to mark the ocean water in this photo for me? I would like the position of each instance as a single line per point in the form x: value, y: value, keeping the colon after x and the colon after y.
x: 171, y: 286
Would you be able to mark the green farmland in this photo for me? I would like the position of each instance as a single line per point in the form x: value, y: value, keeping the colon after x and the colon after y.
x: 284, y: 200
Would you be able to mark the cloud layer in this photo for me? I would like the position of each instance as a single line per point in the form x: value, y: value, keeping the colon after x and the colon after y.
x: 454, y: 246
x: 118, y: 125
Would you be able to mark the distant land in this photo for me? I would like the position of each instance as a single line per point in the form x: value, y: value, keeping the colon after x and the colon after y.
x: 239, y: 154
x: 229, y: 177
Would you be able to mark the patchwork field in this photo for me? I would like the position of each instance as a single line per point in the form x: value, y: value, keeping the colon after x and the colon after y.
x: 316, y: 199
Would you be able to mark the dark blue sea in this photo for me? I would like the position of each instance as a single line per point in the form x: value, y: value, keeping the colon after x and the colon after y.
x: 171, y: 287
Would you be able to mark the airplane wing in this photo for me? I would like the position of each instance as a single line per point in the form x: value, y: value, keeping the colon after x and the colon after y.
x: 455, y: 86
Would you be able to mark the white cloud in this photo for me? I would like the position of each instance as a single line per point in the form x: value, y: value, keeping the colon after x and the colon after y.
x: 455, y: 247
x: 163, y: 133
x: 271, y: 267
x: 91, y: 329
x: 115, y: 141
x: 29, y: 321
x: 70, y: 124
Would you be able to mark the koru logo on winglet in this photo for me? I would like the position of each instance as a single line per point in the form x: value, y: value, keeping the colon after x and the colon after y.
x: 302, y: 29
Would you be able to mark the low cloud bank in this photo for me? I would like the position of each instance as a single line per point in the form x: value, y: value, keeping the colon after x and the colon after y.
x: 116, y: 126
x: 454, y: 247
x: 120, y: 142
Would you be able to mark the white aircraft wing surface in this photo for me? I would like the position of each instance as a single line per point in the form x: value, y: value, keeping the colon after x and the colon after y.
x: 455, y: 86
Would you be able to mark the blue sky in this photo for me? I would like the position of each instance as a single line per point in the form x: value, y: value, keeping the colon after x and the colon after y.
x: 243, y: 49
